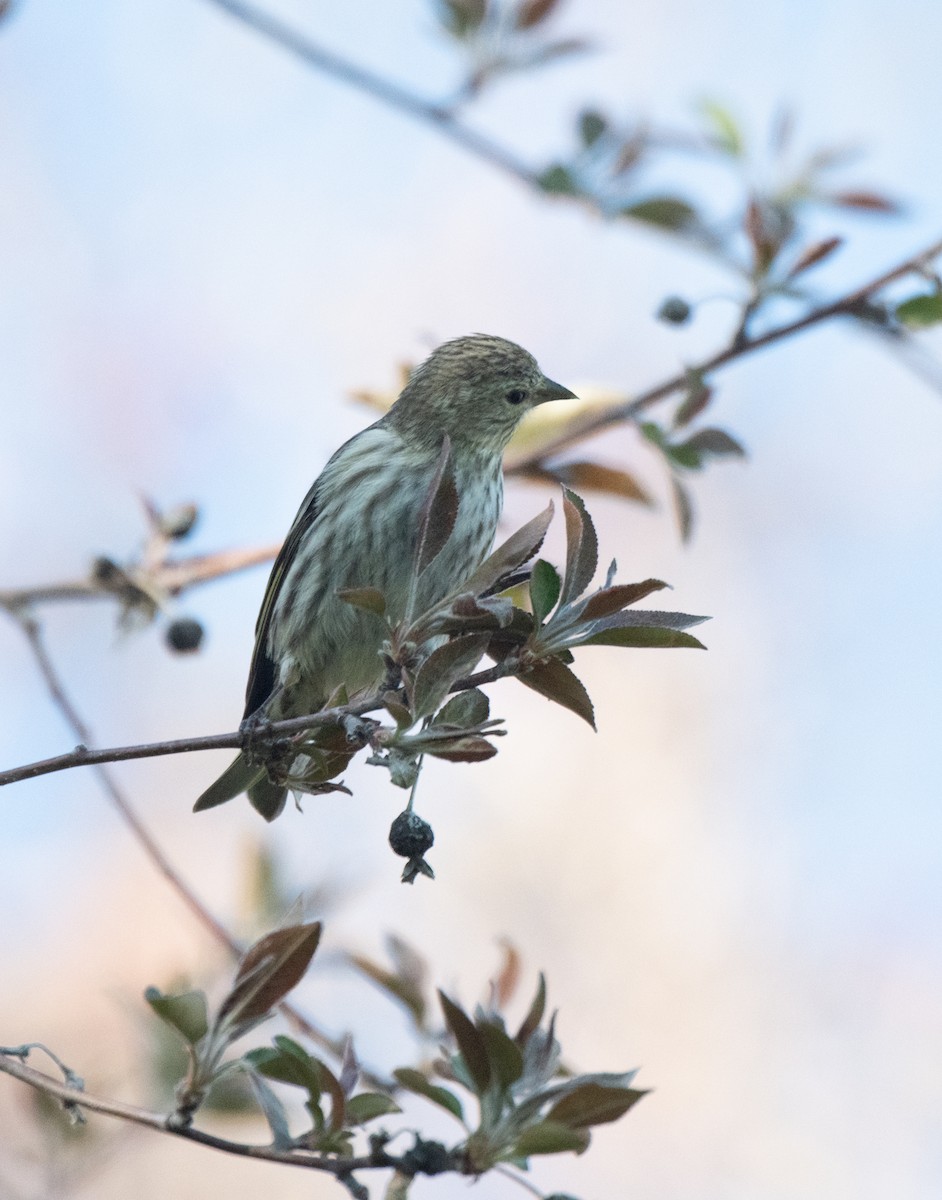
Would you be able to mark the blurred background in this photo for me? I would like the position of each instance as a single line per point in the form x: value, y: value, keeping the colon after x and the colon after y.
x: 205, y: 247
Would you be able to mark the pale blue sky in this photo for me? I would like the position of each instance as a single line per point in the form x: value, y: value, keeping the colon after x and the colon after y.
x: 204, y: 246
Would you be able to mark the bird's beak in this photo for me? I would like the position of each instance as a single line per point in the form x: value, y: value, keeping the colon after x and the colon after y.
x: 553, y: 391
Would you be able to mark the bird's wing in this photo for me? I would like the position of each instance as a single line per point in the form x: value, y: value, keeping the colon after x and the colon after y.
x: 264, y: 670
x: 263, y: 673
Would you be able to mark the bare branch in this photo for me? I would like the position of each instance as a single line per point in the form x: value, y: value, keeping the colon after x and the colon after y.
x: 170, y: 576
x: 437, y: 117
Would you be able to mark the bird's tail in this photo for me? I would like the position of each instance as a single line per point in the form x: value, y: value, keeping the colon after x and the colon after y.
x: 242, y: 776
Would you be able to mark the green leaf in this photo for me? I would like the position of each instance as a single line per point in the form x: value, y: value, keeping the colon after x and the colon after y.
x: 558, y: 180
x: 683, y: 455
x: 582, y: 547
x: 683, y: 506
x: 470, y: 1042
x: 288, y: 1062
x: 534, y: 1016
x: 503, y: 1054
x: 919, y: 312
x: 593, y: 1104
x: 668, y: 212
x: 369, y: 599
x: 367, y: 1106
x: 642, y: 637
x: 461, y: 749
x: 273, y: 1110
x: 724, y: 129
x: 713, y: 441
x: 269, y: 969
x: 654, y: 433
x: 545, y: 586
x: 443, y: 666
x: 549, y: 1137
x: 466, y: 708
x: 415, y: 1081
x: 186, y: 1013
x: 613, y: 599
x: 556, y: 682
x: 591, y: 126
x: 462, y: 17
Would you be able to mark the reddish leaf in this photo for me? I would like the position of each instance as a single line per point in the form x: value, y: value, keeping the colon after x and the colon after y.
x: 439, y: 512
x: 582, y: 553
x: 510, y: 554
x: 443, y: 666
x: 868, y: 201
x: 509, y: 975
x: 762, y: 234
x: 593, y: 1104
x: 556, y: 682
x: 532, y: 12
x: 268, y: 971
x: 813, y: 254
x: 614, y: 599
x: 699, y: 395
x: 602, y: 479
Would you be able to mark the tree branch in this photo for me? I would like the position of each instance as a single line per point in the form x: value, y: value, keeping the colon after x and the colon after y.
x: 10, y: 1064
x: 169, y: 576
x: 841, y: 307
x: 82, y: 756
x: 441, y: 119
x: 152, y: 850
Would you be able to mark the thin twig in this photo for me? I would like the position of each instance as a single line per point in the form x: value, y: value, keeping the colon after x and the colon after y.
x: 441, y: 119
x: 82, y: 756
x: 294, y: 1156
x: 171, y: 576
x: 148, y: 843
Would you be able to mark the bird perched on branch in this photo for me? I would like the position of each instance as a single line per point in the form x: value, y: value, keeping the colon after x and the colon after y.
x: 358, y: 526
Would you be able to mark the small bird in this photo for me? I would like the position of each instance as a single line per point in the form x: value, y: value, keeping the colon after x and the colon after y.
x: 358, y: 527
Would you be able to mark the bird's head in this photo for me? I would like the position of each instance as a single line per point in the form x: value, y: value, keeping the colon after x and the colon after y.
x: 476, y: 389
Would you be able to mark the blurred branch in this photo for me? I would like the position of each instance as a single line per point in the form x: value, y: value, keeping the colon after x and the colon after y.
x: 851, y: 304
x: 437, y: 116
x: 75, y: 1098
x: 146, y: 840
x: 168, y: 577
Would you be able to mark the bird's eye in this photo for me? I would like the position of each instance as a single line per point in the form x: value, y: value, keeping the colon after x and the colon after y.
x: 517, y: 396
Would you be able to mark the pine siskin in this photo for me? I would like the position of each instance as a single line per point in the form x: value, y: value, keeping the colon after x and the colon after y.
x: 357, y: 528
